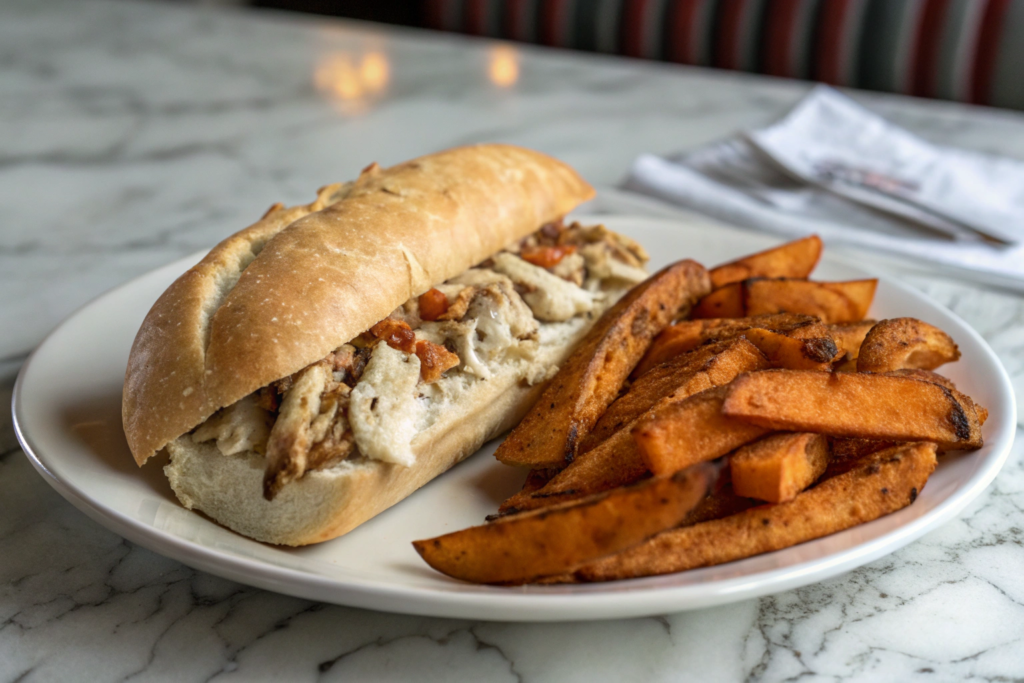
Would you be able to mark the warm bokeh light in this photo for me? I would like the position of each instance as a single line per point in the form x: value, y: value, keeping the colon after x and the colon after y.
x: 504, y: 67
x: 374, y: 71
x: 350, y: 80
x: 337, y: 76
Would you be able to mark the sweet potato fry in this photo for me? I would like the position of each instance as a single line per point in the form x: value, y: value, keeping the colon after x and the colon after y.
x: 693, y: 430
x: 794, y: 353
x: 889, y: 482
x: 676, y: 340
x: 615, y: 462
x: 536, y: 479
x: 794, y: 259
x: 590, y: 379
x: 778, y: 467
x: 925, y: 376
x: 844, y: 364
x: 857, y: 405
x: 689, y: 334
x: 936, y: 378
x: 609, y: 457
x: 845, y: 454
x: 832, y: 302
x: 849, y: 336
x: 557, y: 540
x: 709, y: 366
x: 861, y: 293
x: 726, y: 302
x: 722, y: 502
x: 905, y: 343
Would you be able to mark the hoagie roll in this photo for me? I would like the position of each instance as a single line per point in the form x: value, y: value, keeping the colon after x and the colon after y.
x: 322, y: 364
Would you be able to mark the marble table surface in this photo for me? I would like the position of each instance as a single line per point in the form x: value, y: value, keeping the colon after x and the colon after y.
x: 132, y: 134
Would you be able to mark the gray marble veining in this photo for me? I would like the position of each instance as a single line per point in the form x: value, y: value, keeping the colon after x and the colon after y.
x: 134, y: 133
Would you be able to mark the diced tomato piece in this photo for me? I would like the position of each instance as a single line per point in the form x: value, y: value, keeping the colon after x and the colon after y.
x: 433, y: 304
x: 546, y: 257
x: 396, y: 333
x: 434, y: 360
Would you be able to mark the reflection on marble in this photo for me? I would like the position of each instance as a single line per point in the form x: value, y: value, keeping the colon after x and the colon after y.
x: 134, y: 133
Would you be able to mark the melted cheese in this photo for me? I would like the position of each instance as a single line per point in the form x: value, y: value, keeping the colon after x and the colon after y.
x: 242, y: 426
x: 601, y: 266
x: 551, y: 298
x: 383, y: 409
x: 493, y: 328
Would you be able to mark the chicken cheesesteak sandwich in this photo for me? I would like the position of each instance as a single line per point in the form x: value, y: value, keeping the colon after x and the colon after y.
x: 324, y: 363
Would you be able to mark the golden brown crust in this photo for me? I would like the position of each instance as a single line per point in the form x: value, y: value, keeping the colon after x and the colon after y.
x: 858, y: 405
x: 905, y: 344
x: 682, y: 433
x: 890, y: 482
x: 849, y: 336
x: 553, y: 541
x: 615, y: 462
x: 794, y: 259
x: 285, y: 292
x: 778, y: 467
x: 709, y: 366
x: 166, y: 363
x: 687, y: 335
x: 832, y: 302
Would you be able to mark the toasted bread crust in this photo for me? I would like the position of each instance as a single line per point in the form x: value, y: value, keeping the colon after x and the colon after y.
x: 284, y: 292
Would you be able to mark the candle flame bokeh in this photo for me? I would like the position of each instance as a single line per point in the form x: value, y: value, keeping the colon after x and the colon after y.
x: 503, y: 69
x: 374, y: 71
x: 348, y: 79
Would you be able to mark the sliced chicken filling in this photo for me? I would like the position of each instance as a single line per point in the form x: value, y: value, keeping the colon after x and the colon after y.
x: 366, y: 399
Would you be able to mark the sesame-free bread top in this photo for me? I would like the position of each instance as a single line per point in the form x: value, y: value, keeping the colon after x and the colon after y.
x: 286, y: 291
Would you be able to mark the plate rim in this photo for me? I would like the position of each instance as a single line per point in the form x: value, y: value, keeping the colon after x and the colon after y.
x: 541, y: 603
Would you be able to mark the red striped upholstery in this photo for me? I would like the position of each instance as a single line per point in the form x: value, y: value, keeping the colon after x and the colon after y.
x: 989, y: 35
x: 968, y: 50
x: 834, y: 48
x: 689, y: 32
x: 927, y: 42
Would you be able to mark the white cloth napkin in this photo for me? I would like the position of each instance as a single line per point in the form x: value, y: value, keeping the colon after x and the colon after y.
x: 833, y: 168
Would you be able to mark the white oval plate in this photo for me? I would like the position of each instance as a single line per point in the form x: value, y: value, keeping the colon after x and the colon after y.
x: 67, y: 411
